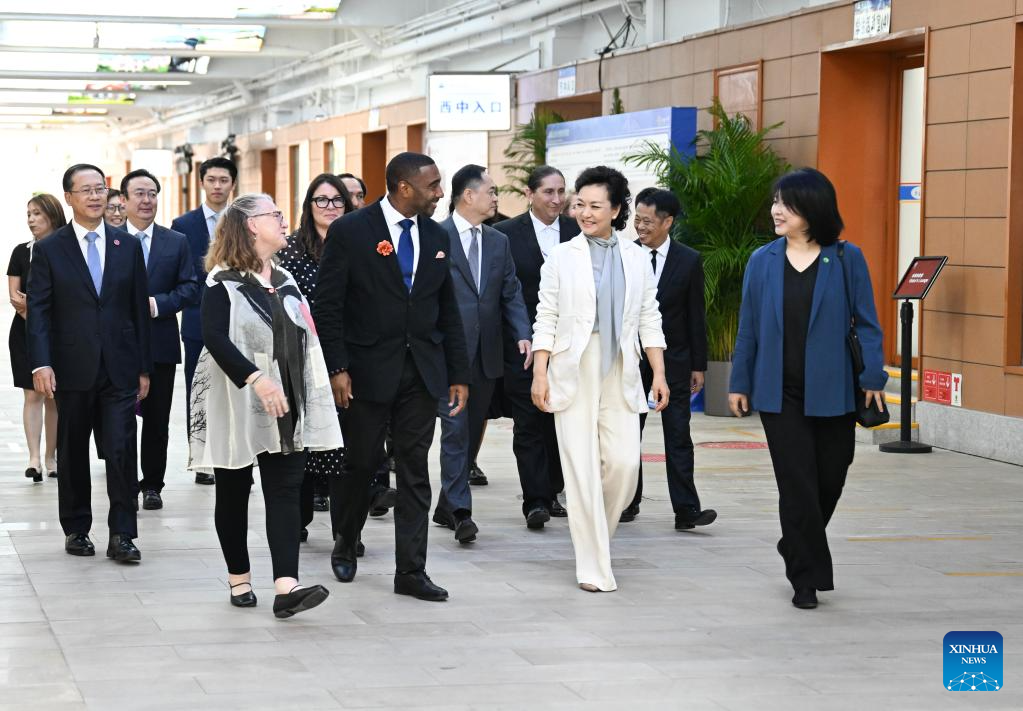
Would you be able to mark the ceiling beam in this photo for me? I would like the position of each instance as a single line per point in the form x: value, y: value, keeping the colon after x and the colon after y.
x: 264, y: 53
x: 115, y: 77
x: 293, y: 23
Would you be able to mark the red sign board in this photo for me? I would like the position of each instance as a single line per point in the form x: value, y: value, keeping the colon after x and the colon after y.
x: 919, y: 278
x: 938, y: 387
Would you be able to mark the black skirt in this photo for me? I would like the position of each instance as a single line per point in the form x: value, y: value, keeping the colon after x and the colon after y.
x: 17, y: 345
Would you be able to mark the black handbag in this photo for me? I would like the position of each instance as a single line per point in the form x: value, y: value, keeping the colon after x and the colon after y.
x: 866, y: 416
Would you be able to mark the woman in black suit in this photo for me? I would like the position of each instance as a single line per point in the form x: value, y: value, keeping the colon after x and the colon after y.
x: 44, y: 216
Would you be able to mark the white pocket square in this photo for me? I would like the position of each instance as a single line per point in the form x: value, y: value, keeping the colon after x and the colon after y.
x: 440, y: 255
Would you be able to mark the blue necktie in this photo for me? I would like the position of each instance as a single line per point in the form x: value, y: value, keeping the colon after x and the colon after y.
x: 406, y: 252
x: 95, y: 268
x: 145, y: 246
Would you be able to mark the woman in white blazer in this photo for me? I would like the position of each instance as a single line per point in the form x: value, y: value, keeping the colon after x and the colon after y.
x: 598, y: 302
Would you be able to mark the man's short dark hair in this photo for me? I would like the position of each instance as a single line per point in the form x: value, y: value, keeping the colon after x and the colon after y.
x: 809, y: 194
x: 538, y: 175
x: 356, y: 178
x: 617, y: 186
x: 405, y: 166
x: 468, y: 177
x: 69, y: 174
x: 140, y: 173
x: 664, y: 202
x: 219, y: 162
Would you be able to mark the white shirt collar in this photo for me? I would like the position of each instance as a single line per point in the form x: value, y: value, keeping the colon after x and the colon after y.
x: 539, y: 226
x: 80, y: 231
x: 133, y: 230
x: 207, y: 212
x: 663, y: 249
x: 462, y: 224
x: 392, y: 216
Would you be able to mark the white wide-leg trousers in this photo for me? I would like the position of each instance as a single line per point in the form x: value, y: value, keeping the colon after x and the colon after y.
x: 598, y: 439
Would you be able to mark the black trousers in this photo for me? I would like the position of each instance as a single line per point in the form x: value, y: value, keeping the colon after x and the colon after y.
x: 280, y: 476
x: 413, y: 418
x: 156, y: 409
x: 111, y: 411
x: 534, y: 440
x: 678, y: 451
x: 811, y: 457
x: 192, y: 350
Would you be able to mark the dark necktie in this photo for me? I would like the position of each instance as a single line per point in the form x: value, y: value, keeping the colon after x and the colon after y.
x: 406, y: 252
x: 474, y: 256
x: 653, y: 260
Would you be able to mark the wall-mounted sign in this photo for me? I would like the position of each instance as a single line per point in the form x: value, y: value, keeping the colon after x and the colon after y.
x: 938, y: 387
x: 566, y: 82
x: 470, y: 102
x: 872, y: 18
x: 919, y: 278
x: 910, y: 192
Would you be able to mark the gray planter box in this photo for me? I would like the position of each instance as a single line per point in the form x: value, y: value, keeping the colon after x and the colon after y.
x: 715, y: 389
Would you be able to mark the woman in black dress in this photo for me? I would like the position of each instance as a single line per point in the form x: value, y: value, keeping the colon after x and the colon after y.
x: 325, y: 201
x: 45, y: 215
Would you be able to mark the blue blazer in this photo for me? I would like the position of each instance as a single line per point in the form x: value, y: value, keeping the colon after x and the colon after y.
x: 757, y: 360
x: 498, y: 304
x: 73, y: 329
x: 193, y: 225
x: 174, y: 286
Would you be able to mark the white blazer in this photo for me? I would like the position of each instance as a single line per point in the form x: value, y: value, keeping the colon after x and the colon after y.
x: 568, y: 309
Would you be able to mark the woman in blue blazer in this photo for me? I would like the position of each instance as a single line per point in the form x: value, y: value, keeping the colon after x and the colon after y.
x: 792, y: 364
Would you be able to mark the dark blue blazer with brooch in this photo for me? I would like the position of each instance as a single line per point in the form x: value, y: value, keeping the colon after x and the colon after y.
x: 757, y: 360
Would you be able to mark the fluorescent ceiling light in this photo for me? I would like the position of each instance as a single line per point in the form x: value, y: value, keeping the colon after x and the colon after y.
x: 309, y: 9
x: 114, y: 36
x: 23, y: 111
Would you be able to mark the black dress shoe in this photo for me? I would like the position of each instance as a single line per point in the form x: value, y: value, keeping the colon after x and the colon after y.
x: 382, y: 501
x: 466, y: 529
x: 245, y: 599
x: 79, y: 544
x: 692, y: 518
x: 629, y: 514
x: 557, y: 510
x: 299, y: 600
x: 204, y: 478
x: 342, y: 562
x: 476, y: 476
x: 419, y: 586
x: 303, y: 535
x: 805, y: 598
x: 151, y: 500
x: 122, y: 549
x: 321, y: 503
x: 34, y: 474
x: 537, y: 517
x: 360, y: 550
x: 443, y: 518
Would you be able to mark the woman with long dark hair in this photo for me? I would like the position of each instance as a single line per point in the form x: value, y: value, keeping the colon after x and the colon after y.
x: 45, y: 215
x: 792, y: 364
x: 326, y: 200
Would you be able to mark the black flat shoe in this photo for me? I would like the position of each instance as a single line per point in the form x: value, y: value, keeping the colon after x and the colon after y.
x: 299, y: 600
x: 52, y: 474
x: 382, y: 501
x: 537, y: 517
x: 122, y: 549
x: 805, y: 598
x: 303, y: 535
x: 360, y: 550
x: 79, y: 544
x: 557, y: 510
x: 205, y: 479
x: 151, y: 500
x: 693, y: 518
x: 245, y: 599
x: 419, y: 586
x: 629, y: 514
x: 34, y: 474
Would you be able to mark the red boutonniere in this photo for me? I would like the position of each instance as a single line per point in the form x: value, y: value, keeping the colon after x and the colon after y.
x: 385, y: 248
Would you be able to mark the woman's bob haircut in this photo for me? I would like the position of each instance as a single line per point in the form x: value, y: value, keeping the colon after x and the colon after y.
x: 809, y: 194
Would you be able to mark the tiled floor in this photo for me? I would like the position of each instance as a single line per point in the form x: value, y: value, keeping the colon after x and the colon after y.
x: 701, y: 620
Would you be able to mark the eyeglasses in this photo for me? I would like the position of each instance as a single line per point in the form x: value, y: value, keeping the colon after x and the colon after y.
x: 90, y: 192
x: 321, y: 201
x: 140, y: 194
x: 117, y: 208
x: 276, y: 213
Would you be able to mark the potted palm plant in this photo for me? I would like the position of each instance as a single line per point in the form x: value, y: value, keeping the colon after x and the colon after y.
x: 528, y: 149
x: 725, y: 193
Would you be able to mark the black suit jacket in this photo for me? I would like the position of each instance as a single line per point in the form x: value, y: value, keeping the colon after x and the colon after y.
x: 71, y: 328
x: 174, y: 286
x: 367, y: 319
x: 526, y: 253
x: 683, y: 317
x: 193, y: 225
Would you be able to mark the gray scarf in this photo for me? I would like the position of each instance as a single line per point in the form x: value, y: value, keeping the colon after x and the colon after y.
x: 609, y: 280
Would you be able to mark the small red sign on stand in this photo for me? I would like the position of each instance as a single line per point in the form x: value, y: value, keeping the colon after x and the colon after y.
x: 938, y: 387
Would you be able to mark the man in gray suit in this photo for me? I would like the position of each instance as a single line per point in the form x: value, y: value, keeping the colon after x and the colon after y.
x: 489, y: 297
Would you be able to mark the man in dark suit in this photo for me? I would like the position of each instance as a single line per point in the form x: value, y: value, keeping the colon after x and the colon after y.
x: 532, y: 235
x: 218, y: 176
x: 488, y: 296
x: 678, y: 271
x: 392, y: 338
x: 89, y: 346
x: 172, y: 286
